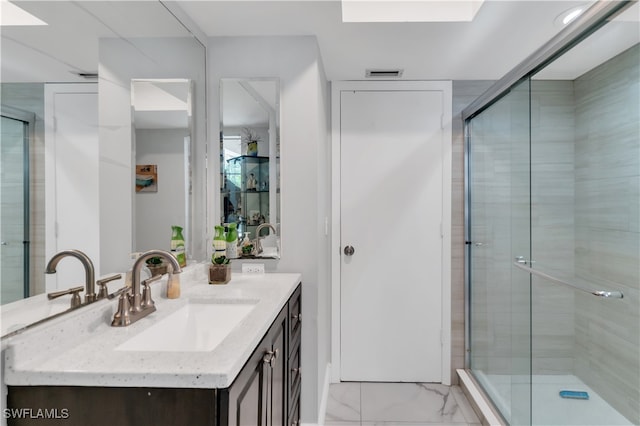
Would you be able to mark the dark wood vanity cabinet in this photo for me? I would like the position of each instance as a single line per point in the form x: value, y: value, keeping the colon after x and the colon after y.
x: 266, y: 392
x: 294, y: 371
x: 257, y: 396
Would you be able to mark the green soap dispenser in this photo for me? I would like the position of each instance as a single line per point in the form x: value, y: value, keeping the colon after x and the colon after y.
x: 177, y: 246
x: 219, y: 242
x: 232, y: 241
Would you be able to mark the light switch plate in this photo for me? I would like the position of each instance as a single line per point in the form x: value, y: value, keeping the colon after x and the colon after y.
x: 253, y: 268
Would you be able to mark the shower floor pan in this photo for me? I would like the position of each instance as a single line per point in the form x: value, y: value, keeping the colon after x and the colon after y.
x: 548, y: 407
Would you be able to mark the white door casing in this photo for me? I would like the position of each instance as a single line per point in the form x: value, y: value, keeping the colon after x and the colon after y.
x: 391, y: 299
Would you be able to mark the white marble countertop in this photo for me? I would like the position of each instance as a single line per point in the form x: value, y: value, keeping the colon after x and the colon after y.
x: 78, y: 349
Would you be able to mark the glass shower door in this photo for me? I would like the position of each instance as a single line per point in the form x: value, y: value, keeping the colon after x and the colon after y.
x: 14, y: 199
x: 499, y: 235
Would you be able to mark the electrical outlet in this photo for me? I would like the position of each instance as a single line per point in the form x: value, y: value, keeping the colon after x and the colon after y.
x: 253, y: 268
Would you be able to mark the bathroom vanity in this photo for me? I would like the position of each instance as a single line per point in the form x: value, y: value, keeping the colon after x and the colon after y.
x: 219, y: 355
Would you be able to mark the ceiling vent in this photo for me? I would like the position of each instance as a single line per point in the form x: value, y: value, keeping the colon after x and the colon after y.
x: 384, y: 73
x: 86, y: 75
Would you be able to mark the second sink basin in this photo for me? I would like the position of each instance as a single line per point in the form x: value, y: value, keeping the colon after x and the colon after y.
x: 197, y: 327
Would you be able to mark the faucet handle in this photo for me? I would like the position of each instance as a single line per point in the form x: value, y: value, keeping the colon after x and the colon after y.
x: 75, y: 297
x: 146, y: 291
x: 118, y: 292
x: 122, y: 316
x: 150, y: 280
x: 104, y: 291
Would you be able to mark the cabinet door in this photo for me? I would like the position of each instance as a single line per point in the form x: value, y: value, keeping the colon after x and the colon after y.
x: 246, y: 400
x: 278, y: 372
x: 258, y: 395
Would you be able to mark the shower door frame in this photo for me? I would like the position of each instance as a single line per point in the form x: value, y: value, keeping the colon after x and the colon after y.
x: 29, y: 119
x: 582, y: 27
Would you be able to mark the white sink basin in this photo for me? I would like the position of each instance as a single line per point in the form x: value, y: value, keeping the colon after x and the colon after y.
x: 196, y: 327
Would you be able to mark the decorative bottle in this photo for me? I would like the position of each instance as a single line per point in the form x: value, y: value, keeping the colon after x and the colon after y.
x: 232, y: 242
x: 177, y: 246
x: 219, y: 243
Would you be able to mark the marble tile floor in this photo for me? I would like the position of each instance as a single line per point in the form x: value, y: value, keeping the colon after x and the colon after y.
x: 398, y: 404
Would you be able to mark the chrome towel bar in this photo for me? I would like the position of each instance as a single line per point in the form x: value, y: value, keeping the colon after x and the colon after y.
x: 598, y: 293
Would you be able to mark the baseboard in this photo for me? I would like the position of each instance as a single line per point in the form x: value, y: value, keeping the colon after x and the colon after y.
x: 322, y: 409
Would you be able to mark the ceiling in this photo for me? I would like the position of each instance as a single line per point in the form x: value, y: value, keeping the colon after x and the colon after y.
x: 502, y: 34
x: 69, y: 43
x: 161, y: 103
x: 247, y: 103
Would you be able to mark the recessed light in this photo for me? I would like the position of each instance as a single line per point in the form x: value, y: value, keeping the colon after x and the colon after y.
x: 570, y: 15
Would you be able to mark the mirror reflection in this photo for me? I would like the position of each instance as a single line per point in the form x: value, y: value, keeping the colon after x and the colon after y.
x: 162, y: 117
x: 72, y: 185
x: 250, y: 163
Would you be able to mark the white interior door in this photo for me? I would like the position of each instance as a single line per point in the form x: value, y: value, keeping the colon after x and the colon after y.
x: 71, y: 158
x: 391, y: 145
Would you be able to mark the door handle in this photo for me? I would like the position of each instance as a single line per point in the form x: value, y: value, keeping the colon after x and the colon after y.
x: 349, y: 250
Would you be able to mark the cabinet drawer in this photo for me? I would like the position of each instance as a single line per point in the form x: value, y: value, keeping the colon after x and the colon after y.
x: 295, y: 318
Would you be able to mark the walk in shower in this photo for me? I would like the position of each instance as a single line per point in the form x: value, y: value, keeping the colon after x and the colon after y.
x: 553, y: 229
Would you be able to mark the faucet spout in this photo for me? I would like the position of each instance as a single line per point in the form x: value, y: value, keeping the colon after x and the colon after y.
x: 89, y: 271
x: 137, y: 267
x: 257, y: 245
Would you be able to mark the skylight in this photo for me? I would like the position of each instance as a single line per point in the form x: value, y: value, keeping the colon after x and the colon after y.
x: 410, y: 10
x: 12, y: 15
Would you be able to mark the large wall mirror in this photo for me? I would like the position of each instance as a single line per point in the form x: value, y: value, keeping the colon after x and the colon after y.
x: 250, y: 162
x: 76, y: 180
x: 162, y: 117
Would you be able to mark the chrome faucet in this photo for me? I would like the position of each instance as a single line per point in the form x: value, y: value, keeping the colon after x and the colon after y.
x: 134, y: 304
x: 257, y: 246
x: 90, y: 292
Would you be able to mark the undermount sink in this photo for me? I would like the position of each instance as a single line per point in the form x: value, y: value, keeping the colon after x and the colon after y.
x: 199, y: 326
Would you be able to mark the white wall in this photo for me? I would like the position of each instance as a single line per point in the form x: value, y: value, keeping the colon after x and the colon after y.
x: 155, y: 210
x: 304, y: 176
x: 120, y: 61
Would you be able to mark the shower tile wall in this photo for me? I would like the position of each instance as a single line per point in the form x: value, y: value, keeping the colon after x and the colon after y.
x: 552, y: 213
x: 30, y: 97
x: 607, y: 230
